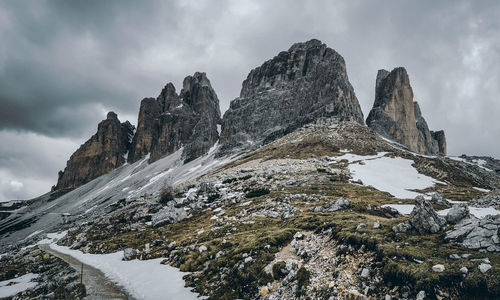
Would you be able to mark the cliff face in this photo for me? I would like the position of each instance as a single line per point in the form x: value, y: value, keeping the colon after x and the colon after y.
x: 396, y: 116
x: 296, y: 87
x: 173, y: 121
x: 102, y: 153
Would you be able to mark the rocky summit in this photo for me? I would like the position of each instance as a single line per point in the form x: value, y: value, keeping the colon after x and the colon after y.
x: 102, y: 153
x: 294, y: 88
x: 396, y: 116
x: 172, y: 121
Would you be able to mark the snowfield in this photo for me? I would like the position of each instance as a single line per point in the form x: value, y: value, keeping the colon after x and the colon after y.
x: 478, y: 212
x: 143, y: 279
x: 13, y: 286
x: 127, y: 181
x: 396, y: 175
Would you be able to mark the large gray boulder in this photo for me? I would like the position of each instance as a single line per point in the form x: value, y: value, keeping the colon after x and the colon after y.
x: 476, y: 233
x: 296, y: 87
x: 396, y: 116
x: 172, y: 121
x: 423, y: 218
x: 457, y: 213
x: 168, y: 215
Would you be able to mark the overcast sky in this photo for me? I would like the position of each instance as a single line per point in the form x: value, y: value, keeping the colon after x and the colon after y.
x: 64, y: 64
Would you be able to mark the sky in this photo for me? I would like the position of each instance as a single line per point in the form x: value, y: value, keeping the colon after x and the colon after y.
x: 64, y: 64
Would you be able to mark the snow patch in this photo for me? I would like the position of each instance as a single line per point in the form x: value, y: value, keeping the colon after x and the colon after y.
x: 396, y: 175
x: 481, y: 189
x: 478, y: 212
x: 143, y: 279
x: 13, y: 286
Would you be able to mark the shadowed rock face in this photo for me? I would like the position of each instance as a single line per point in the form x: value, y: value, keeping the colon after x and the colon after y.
x: 396, y: 116
x: 102, y: 153
x: 173, y: 121
x: 296, y: 87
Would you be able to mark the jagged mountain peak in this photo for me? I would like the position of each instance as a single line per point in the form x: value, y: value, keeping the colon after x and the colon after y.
x: 397, y: 116
x: 102, y: 153
x: 188, y: 119
x: 294, y: 88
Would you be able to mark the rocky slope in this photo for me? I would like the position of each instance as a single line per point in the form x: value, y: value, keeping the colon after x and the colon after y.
x: 103, y: 152
x: 396, y: 116
x: 325, y: 208
x: 172, y: 121
x: 294, y: 88
x: 301, y: 217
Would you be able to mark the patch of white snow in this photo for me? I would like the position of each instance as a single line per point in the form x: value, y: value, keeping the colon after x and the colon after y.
x: 13, y: 286
x: 143, y: 279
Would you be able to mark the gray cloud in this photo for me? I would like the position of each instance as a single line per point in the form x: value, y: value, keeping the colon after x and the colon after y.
x: 64, y: 63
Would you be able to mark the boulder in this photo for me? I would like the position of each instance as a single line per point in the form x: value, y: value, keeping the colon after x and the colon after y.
x: 457, y: 213
x: 396, y: 116
x: 484, y: 268
x: 296, y: 87
x: 473, y: 233
x: 439, y: 200
x: 423, y: 219
x: 168, y: 215
x: 339, y: 204
x: 129, y: 254
x: 438, y: 268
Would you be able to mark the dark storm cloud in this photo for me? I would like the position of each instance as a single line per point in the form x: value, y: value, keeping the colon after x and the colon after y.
x: 63, y: 64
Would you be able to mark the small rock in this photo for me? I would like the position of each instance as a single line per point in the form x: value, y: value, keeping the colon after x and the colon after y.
x: 365, y: 273
x: 202, y: 248
x: 248, y: 259
x: 376, y: 224
x: 129, y: 254
x: 421, y: 295
x: 464, y: 270
x: 355, y: 295
x: 484, y: 268
x: 438, y: 268
x: 361, y: 225
x: 388, y: 297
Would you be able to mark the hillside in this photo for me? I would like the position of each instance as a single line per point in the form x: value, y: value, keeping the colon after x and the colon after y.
x: 297, y: 199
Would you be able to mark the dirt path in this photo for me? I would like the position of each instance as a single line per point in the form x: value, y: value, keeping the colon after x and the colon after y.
x: 97, y: 285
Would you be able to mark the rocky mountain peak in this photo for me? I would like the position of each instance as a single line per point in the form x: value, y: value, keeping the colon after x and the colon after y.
x: 197, y: 92
x: 168, y: 98
x: 396, y: 116
x: 296, y: 87
x: 103, y: 152
x: 112, y: 116
x: 172, y: 121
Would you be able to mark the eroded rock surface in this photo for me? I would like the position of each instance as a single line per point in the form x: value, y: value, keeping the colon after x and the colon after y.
x: 294, y: 88
x: 172, y: 121
x: 476, y: 233
x: 396, y: 116
x: 102, y: 153
x: 423, y: 218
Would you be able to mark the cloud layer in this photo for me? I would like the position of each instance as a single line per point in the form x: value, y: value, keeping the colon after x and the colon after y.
x: 63, y: 64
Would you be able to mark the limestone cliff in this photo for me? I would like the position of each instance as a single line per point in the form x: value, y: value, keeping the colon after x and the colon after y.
x: 396, y: 116
x: 172, y: 121
x: 298, y: 86
x: 102, y: 153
